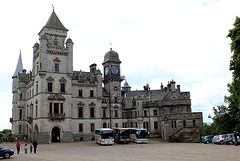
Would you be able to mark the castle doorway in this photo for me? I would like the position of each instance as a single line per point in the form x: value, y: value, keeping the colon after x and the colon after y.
x: 35, y: 135
x: 55, y: 135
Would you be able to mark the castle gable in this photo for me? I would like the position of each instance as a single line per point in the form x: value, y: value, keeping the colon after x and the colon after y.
x: 173, y: 95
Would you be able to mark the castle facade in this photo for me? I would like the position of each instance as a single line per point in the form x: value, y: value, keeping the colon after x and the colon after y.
x: 54, y: 103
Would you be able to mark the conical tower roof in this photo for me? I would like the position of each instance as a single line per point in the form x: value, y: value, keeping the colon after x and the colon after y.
x: 19, y: 68
x: 54, y: 22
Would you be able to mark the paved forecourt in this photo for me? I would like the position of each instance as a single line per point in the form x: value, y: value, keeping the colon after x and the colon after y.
x: 154, y: 150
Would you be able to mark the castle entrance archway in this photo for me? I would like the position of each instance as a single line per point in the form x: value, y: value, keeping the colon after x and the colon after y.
x: 55, y: 134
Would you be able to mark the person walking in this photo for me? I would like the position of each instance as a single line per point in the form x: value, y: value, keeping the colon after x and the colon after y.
x: 235, y: 137
x: 25, y: 148
x: 30, y: 148
x: 18, y: 147
x: 35, y: 144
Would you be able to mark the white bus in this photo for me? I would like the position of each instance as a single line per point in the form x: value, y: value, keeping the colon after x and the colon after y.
x: 104, y: 136
x: 139, y: 135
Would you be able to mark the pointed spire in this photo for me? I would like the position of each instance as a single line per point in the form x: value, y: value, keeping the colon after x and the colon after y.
x: 54, y: 22
x: 19, y: 68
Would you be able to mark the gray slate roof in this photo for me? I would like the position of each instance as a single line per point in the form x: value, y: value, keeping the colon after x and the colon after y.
x: 54, y: 22
x: 111, y: 56
x: 19, y: 68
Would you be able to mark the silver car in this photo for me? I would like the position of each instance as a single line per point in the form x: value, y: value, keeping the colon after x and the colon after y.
x: 220, y: 139
x: 229, y: 139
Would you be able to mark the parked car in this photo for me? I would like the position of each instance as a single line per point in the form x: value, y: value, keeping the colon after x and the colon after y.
x: 220, y: 139
x: 228, y: 139
x: 214, y: 139
x: 6, y: 153
x: 208, y: 139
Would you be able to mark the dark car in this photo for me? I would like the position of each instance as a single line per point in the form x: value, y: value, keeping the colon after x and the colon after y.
x: 208, y: 139
x: 6, y: 153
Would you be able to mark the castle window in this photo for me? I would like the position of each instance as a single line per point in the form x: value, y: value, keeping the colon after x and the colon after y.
x: 115, y: 98
x: 155, y: 125
x: 80, y: 93
x: 36, y: 87
x: 154, y: 112
x: 20, y: 114
x: 104, y: 125
x: 131, y: 124
x: 80, y: 112
x: 145, y: 125
x: 116, y: 113
x: 184, y: 123
x: 104, y: 113
x: 61, y: 108
x: 91, y: 112
x: 91, y: 93
x: 194, y: 123
x: 50, y: 108
x: 56, y: 107
x: 92, y: 127
x: 20, y: 96
x: 174, y: 124
x: 56, y: 68
x: 49, y: 86
x: 116, y: 124
x: 62, y: 87
x: 36, y: 110
x: 145, y: 113
x: 80, y: 128
x: 55, y: 43
x: 20, y: 129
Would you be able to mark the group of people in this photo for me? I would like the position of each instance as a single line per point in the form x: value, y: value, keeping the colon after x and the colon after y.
x: 33, y: 145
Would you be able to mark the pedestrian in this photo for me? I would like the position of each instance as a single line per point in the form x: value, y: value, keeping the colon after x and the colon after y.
x: 25, y: 148
x: 18, y: 147
x: 235, y: 137
x: 31, y: 148
x: 35, y: 144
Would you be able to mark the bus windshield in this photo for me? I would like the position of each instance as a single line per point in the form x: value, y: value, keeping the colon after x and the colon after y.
x: 124, y: 133
x: 142, y: 134
x: 107, y: 135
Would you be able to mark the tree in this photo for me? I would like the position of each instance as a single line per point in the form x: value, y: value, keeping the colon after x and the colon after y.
x: 234, y: 87
x: 6, y: 133
x: 221, y: 120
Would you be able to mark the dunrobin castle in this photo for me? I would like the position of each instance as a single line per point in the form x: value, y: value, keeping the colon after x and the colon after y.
x: 54, y: 103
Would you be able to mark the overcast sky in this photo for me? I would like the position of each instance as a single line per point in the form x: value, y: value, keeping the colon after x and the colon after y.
x: 157, y: 41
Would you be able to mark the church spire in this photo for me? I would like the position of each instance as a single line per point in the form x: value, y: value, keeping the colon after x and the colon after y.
x: 19, y: 68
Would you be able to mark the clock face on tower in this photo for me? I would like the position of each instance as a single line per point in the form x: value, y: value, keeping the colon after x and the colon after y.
x: 106, y: 70
x: 114, y: 70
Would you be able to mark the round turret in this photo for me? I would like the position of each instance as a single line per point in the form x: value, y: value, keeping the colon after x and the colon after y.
x: 69, y: 40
